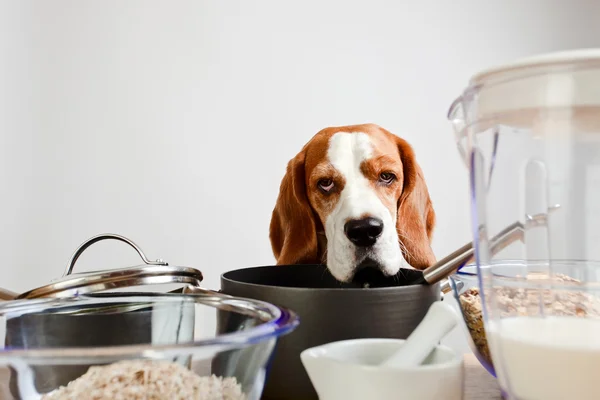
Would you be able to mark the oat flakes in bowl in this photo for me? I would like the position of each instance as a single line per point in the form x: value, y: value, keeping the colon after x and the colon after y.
x: 147, y: 380
x: 558, y: 300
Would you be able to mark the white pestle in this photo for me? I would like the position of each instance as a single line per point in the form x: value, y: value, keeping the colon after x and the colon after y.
x: 439, y: 320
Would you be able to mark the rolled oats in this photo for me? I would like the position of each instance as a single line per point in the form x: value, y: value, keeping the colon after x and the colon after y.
x: 147, y: 380
x: 527, y: 302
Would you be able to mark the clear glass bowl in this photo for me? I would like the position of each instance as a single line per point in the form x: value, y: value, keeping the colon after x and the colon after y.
x: 178, y: 345
x: 542, y: 320
x: 465, y: 288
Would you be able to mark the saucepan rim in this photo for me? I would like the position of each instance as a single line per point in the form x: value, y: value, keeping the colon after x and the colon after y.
x: 411, y: 287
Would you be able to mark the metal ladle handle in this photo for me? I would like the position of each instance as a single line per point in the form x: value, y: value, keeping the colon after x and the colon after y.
x: 104, y: 236
x: 512, y: 233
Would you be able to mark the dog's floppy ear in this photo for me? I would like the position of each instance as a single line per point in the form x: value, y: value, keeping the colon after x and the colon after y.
x: 293, y: 230
x: 416, y: 217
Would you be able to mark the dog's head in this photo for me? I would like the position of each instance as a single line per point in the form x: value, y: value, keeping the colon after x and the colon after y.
x: 354, y: 196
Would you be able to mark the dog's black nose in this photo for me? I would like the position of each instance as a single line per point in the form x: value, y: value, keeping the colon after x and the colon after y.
x: 363, y: 232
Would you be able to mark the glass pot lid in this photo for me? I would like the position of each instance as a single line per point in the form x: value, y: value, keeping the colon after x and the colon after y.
x: 149, y: 273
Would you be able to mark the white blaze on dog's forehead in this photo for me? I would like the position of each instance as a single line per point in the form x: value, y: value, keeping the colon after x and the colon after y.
x: 348, y: 150
x: 346, y: 153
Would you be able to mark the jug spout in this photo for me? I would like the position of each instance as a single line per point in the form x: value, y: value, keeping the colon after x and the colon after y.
x: 455, y: 114
x: 457, y: 119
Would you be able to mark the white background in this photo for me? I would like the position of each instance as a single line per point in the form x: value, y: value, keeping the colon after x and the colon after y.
x: 171, y: 122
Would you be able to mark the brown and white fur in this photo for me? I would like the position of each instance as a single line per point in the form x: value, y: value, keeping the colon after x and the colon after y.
x: 354, y: 195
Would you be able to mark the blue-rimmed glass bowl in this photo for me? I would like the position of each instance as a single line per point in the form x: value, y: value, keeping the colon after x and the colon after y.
x: 465, y: 288
x: 49, y: 343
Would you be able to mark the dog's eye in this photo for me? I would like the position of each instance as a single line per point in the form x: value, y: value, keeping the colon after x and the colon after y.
x: 386, y: 177
x: 325, y: 185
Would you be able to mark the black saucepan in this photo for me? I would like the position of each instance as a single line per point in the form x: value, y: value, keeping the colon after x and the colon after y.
x: 372, y: 306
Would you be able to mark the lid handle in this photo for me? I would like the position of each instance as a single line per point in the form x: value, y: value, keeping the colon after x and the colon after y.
x: 104, y: 236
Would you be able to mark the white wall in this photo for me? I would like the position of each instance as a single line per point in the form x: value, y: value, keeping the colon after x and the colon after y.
x: 172, y: 122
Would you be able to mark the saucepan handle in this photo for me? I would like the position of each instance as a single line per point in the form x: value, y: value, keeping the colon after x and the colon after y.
x: 446, y: 287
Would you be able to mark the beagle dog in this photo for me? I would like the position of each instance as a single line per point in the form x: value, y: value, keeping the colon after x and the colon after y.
x: 354, y: 197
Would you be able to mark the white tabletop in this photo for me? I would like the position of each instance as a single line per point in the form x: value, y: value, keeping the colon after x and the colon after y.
x: 479, y: 384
